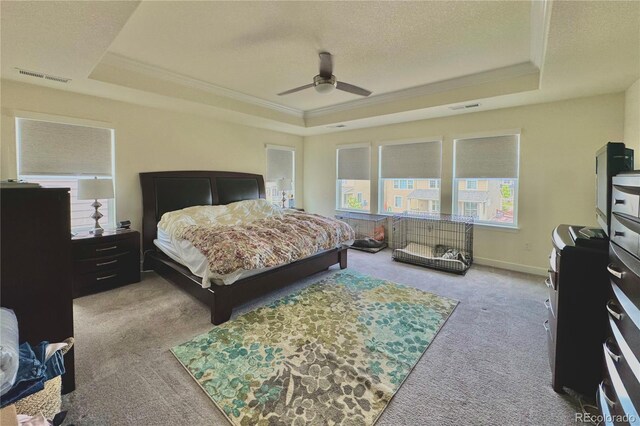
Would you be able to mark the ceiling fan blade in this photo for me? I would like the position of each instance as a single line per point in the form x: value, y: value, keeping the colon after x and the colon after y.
x: 297, y: 89
x: 326, y: 65
x: 346, y: 87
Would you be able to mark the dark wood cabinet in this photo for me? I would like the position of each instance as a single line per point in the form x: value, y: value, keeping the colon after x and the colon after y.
x: 618, y: 395
x: 35, y: 274
x: 104, y: 262
x: 577, y: 284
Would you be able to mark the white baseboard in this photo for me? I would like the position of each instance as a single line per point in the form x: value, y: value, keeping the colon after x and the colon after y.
x: 511, y: 266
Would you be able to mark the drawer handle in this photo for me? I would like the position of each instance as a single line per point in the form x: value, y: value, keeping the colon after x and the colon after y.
x: 619, y: 201
x: 614, y: 271
x: 607, y: 348
x: 603, y: 392
x: 545, y: 324
x: 107, y: 277
x: 618, y: 234
x: 548, y: 283
x: 547, y: 304
x: 107, y: 263
x: 107, y: 248
x: 614, y: 312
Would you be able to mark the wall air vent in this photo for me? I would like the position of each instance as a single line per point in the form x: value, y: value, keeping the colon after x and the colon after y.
x: 467, y: 106
x: 43, y: 76
x: 337, y: 126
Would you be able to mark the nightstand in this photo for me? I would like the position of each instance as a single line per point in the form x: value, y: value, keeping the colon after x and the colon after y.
x: 104, y: 262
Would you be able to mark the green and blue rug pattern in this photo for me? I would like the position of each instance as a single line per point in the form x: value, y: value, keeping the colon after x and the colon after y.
x: 333, y: 353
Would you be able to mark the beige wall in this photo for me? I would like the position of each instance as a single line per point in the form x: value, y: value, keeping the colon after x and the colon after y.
x: 147, y: 139
x: 557, y: 180
x: 632, y: 120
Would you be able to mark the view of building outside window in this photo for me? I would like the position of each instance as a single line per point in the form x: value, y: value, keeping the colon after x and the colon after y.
x: 353, y: 194
x: 410, y: 195
x: 487, y: 200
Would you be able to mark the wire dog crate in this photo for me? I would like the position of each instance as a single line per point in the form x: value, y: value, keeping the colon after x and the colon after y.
x: 439, y: 241
x: 369, y: 229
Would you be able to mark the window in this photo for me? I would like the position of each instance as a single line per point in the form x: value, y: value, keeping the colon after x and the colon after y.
x: 470, y: 209
x: 280, y: 164
x: 397, y: 202
x: 353, y: 174
x: 485, y: 183
x: 58, y: 155
x: 410, y: 171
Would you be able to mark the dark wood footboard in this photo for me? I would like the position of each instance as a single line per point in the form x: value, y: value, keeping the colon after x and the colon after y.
x: 222, y: 299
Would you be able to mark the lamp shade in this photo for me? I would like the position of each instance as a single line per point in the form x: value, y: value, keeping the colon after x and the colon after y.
x: 93, y: 189
x: 284, y: 184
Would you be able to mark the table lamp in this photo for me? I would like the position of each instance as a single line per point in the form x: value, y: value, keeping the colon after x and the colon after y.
x: 93, y: 189
x: 284, y: 185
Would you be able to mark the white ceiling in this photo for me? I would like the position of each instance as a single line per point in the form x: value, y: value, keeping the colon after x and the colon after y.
x: 229, y: 59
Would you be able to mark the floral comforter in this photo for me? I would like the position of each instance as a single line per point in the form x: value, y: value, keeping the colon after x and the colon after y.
x: 268, y: 242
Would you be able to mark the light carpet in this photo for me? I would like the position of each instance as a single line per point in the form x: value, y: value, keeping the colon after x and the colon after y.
x: 488, y: 365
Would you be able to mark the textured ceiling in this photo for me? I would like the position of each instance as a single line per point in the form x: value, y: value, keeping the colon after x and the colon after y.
x: 200, y: 57
x: 263, y: 48
x: 61, y: 38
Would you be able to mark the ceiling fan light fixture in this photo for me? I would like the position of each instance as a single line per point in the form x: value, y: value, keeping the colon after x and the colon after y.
x: 324, y: 85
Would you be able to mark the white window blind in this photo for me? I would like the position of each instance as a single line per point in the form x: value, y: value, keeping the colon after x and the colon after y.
x: 489, y: 157
x: 59, y: 149
x: 354, y: 163
x: 280, y: 164
x: 412, y: 160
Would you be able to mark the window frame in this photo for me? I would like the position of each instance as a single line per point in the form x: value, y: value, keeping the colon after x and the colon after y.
x: 380, y: 180
x: 454, y: 185
x: 291, y: 149
x: 112, y: 205
x: 338, y: 194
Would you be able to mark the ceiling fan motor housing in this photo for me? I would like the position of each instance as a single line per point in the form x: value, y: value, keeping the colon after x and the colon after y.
x: 323, y: 84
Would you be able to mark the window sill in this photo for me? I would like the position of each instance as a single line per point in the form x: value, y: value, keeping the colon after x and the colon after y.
x: 354, y: 211
x: 502, y: 228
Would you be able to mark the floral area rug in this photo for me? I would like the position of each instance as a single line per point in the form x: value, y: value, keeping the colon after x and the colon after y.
x: 333, y: 353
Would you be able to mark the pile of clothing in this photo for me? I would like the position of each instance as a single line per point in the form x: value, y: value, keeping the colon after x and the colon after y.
x: 24, y: 369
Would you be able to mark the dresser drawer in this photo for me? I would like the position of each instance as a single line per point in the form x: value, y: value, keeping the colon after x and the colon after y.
x: 100, y: 280
x: 624, y: 271
x: 103, y: 263
x: 108, y: 248
x: 616, y: 392
x: 625, y: 361
x: 624, y: 201
x: 626, y: 317
x: 623, y: 235
x: 551, y: 346
x: 553, y: 297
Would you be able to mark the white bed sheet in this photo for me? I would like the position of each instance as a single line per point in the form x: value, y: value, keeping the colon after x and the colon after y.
x: 186, y: 254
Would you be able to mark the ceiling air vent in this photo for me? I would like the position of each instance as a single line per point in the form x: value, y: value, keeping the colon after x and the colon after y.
x: 467, y: 106
x: 43, y: 75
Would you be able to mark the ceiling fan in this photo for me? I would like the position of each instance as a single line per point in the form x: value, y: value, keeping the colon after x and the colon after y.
x: 325, y: 81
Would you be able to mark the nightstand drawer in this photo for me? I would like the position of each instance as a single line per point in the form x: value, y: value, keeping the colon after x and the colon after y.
x: 103, y: 263
x: 102, y: 280
x: 103, y: 249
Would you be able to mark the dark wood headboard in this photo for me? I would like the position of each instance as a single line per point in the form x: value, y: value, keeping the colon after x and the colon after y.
x: 174, y: 190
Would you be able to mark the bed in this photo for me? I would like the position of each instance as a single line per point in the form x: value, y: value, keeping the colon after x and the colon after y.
x: 169, y: 191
